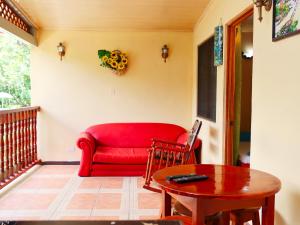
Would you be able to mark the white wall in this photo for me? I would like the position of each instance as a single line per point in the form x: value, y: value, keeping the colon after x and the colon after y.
x: 76, y: 92
x: 275, y: 105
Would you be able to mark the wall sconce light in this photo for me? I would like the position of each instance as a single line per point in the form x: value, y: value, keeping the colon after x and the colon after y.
x: 259, y: 4
x: 61, y: 50
x: 165, y: 52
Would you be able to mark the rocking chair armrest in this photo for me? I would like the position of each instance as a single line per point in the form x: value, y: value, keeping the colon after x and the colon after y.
x: 167, y: 147
x: 156, y: 142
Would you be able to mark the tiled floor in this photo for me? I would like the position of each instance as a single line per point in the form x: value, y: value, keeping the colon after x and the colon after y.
x: 57, y: 193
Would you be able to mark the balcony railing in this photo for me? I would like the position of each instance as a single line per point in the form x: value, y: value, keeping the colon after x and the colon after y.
x: 18, y: 149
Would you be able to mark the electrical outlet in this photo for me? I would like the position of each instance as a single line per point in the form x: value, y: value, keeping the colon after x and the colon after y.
x: 113, y: 92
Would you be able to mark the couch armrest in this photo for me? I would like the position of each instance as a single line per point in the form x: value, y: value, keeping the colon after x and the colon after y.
x: 87, y: 144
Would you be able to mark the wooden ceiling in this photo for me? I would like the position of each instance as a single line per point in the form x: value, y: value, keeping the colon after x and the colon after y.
x: 110, y: 15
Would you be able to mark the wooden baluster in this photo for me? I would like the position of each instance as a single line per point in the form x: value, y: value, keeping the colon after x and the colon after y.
x: 34, y: 135
x: 18, y: 141
x: 2, y: 121
x: 18, y: 138
x: 10, y: 138
x: 6, y: 164
x: 22, y: 135
x: 6, y: 143
x: 26, y: 139
x: 14, y: 129
x: 31, y: 135
x: 29, y: 121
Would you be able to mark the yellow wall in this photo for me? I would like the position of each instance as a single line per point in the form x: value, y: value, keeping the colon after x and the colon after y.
x: 275, y: 105
x: 76, y: 92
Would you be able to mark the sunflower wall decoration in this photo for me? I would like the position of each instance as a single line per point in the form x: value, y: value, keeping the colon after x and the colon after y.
x: 114, y: 60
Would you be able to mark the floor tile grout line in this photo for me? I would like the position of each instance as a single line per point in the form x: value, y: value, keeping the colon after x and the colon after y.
x: 64, y: 195
x: 55, y: 205
x: 129, y: 183
x: 129, y: 201
x: 96, y: 200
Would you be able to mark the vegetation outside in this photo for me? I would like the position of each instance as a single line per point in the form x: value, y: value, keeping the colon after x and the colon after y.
x: 14, y: 72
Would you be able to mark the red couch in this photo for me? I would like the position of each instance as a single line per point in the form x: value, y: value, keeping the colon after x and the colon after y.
x: 120, y: 149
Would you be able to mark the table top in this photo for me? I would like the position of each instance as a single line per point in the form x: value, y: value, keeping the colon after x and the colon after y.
x: 224, y: 182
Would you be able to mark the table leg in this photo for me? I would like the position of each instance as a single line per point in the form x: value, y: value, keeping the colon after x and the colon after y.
x: 198, y: 217
x: 165, y: 204
x: 268, y: 211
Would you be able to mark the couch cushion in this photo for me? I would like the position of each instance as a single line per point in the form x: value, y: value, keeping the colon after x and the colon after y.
x: 121, y: 155
x: 134, y: 135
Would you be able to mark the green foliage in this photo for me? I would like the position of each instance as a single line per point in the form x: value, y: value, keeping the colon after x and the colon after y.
x: 102, y: 53
x: 294, y: 25
x: 14, y: 71
x: 282, y: 9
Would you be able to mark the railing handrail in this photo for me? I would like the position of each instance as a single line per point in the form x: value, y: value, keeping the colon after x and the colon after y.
x: 22, y: 109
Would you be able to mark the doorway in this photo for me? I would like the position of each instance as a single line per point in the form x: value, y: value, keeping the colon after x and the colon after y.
x: 239, y: 90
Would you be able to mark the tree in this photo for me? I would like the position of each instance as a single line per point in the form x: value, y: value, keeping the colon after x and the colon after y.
x: 14, y: 71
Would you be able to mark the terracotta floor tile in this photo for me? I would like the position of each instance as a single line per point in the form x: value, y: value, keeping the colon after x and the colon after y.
x: 36, y: 192
x: 111, y: 182
x: 90, y: 183
x: 108, y: 201
x: 89, y: 218
x: 103, y: 182
x: 149, y: 200
x: 26, y: 201
x: 57, y: 170
x: 82, y: 201
x: 45, y: 183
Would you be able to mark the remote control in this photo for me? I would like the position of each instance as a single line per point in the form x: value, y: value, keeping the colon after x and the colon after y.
x: 169, y: 178
x: 190, y: 179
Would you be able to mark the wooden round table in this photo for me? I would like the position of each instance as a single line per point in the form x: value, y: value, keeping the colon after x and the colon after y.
x: 226, y: 189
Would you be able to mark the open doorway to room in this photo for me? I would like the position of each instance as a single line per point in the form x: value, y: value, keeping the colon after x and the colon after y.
x: 239, y: 90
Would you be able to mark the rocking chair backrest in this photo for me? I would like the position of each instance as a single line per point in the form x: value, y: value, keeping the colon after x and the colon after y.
x: 165, y: 154
x: 193, y: 135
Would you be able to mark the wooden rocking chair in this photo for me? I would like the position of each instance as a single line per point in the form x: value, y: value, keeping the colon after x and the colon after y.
x: 165, y: 154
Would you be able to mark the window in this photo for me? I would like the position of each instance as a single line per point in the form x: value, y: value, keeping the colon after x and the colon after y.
x: 207, y: 81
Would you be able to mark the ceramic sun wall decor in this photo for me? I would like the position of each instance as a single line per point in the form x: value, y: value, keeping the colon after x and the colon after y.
x: 114, y: 60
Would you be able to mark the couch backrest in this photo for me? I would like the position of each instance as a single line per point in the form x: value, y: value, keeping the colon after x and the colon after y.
x: 134, y: 134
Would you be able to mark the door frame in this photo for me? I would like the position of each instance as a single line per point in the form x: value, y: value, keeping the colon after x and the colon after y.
x: 230, y: 82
